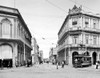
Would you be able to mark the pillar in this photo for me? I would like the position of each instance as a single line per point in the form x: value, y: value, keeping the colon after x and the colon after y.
x: 24, y: 51
x: 15, y: 51
x: 65, y: 56
x: 98, y: 56
x: 70, y: 56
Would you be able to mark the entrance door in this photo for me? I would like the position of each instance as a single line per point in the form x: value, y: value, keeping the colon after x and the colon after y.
x: 94, y: 56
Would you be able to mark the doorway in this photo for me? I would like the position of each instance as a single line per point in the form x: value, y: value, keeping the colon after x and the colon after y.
x: 94, y: 56
x: 73, y: 54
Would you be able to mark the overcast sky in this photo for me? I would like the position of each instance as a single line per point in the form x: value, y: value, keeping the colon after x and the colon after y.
x: 45, y: 17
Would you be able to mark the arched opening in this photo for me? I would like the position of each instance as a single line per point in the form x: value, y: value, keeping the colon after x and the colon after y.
x: 6, y: 56
x: 94, y: 56
x: 73, y: 54
x: 6, y: 28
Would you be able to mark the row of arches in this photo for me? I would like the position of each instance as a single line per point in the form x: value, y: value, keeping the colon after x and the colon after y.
x: 94, y: 57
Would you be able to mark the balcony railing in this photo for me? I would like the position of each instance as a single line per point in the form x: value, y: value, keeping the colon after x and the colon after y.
x: 69, y: 29
x: 91, y: 29
x: 79, y: 28
x: 63, y: 46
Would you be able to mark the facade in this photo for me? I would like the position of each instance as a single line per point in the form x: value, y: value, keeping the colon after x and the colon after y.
x: 15, y: 38
x: 79, y: 34
x: 41, y: 56
x: 53, y: 55
x: 35, y: 52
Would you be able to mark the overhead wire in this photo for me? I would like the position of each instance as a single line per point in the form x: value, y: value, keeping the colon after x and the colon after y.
x: 76, y: 3
x: 56, y: 6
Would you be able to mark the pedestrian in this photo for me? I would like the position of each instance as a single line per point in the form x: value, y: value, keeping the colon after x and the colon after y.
x: 57, y: 65
x: 97, y: 65
x: 2, y: 64
x: 63, y: 64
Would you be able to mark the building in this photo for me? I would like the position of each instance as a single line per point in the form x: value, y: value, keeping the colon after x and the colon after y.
x: 37, y: 54
x: 53, y: 55
x: 79, y: 34
x: 41, y: 56
x: 35, y: 51
x: 15, y: 38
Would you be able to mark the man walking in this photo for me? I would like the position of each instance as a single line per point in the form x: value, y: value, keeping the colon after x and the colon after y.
x: 63, y: 63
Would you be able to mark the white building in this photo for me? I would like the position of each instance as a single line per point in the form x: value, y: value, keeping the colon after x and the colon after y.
x: 53, y: 55
x: 15, y: 38
x: 79, y: 28
x: 35, y: 51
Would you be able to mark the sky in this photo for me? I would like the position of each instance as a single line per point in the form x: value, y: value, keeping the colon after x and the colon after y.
x: 44, y: 18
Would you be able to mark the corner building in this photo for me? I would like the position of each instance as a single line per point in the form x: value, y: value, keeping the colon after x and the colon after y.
x: 79, y: 34
x: 15, y: 38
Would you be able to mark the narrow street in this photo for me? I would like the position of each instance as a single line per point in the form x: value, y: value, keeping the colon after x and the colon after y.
x: 50, y: 71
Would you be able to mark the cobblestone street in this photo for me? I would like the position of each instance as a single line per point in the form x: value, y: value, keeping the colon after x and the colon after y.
x: 50, y: 71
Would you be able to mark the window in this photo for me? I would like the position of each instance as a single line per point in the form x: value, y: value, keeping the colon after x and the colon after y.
x: 94, y: 23
x: 74, y: 21
x: 86, y: 21
x: 94, y: 40
x: 87, y: 39
x: 75, y: 39
x: 6, y: 28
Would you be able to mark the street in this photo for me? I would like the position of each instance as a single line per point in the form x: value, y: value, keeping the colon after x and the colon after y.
x: 50, y: 71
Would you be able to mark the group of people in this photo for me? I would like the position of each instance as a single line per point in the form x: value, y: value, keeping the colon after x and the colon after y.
x: 62, y: 64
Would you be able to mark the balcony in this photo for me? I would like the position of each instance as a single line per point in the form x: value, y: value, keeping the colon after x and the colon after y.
x: 72, y: 30
x: 61, y: 47
x: 93, y: 30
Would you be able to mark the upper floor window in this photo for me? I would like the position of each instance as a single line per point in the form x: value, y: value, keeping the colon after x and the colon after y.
x: 86, y: 21
x: 94, y: 40
x: 75, y: 39
x: 74, y: 21
x: 87, y: 39
x: 95, y: 23
x: 6, y: 28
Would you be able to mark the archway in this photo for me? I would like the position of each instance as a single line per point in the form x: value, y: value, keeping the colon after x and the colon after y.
x: 6, y: 26
x: 94, y: 56
x: 73, y: 54
x: 6, y: 55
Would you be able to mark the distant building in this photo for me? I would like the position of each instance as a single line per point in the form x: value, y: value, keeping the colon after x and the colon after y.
x: 35, y: 51
x: 15, y: 38
x: 53, y: 55
x: 40, y: 56
x: 79, y: 34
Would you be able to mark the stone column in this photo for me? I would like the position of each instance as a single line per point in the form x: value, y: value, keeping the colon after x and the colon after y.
x: 15, y: 51
x: 70, y: 59
x: 98, y: 56
x: 24, y: 52
x: 0, y: 30
x: 65, y: 56
x: 70, y: 56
